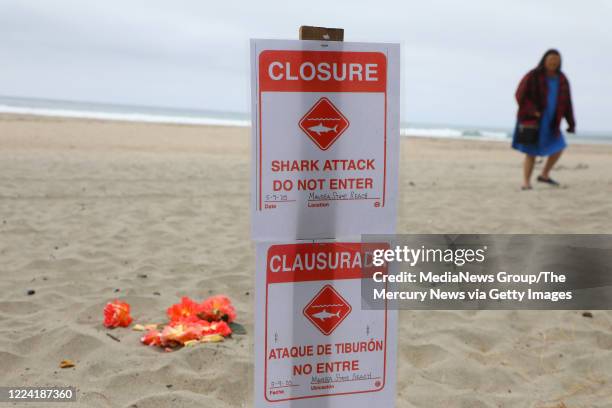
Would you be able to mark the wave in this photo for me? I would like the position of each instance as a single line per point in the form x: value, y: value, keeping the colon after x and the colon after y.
x: 125, y: 116
x: 323, y: 119
x: 453, y: 133
x: 101, y: 111
x: 210, y: 120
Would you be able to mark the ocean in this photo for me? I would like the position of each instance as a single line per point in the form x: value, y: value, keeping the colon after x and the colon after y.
x: 132, y: 113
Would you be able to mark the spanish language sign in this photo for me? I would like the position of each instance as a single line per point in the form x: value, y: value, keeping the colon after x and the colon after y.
x: 325, y: 138
x: 315, y: 346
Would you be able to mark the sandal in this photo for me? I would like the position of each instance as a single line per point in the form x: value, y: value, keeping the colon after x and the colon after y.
x: 548, y: 181
x: 525, y: 188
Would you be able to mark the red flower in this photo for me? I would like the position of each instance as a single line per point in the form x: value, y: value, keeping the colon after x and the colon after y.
x: 186, y: 311
x: 117, y: 313
x: 191, y: 323
x: 179, y: 333
x: 176, y: 334
x: 152, y: 338
x: 217, y: 308
x: 221, y: 328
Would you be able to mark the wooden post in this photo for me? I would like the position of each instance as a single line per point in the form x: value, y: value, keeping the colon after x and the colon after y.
x: 321, y: 33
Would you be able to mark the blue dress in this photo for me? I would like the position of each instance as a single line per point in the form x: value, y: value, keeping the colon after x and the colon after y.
x: 548, y: 142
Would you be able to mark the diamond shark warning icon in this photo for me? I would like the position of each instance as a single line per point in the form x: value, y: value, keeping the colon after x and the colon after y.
x: 324, y: 123
x: 327, y: 310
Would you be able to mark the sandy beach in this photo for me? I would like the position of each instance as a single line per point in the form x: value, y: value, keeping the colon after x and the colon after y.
x: 91, y: 211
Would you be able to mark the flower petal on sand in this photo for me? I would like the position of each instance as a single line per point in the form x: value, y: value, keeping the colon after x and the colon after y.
x: 117, y: 314
x: 185, y: 311
x: 66, y: 364
x: 217, y: 308
x: 212, y: 338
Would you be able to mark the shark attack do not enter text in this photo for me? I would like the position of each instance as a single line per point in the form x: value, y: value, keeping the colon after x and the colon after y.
x: 327, y: 165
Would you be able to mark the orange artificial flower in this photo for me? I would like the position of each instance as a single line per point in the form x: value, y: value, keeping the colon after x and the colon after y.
x: 117, y: 313
x: 221, y: 328
x: 181, y: 333
x: 186, y: 311
x: 192, y: 323
x: 176, y: 334
x: 152, y: 338
x: 217, y: 308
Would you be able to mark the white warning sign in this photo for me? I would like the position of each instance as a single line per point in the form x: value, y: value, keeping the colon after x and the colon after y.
x: 325, y: 132
x: 314, y: 345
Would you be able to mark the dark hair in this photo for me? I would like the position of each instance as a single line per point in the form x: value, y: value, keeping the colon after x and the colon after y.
x: 551, y: 51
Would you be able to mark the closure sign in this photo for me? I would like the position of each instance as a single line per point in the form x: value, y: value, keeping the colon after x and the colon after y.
x: 325, y: 137
x: 314, y: 345
x: 325, y: 164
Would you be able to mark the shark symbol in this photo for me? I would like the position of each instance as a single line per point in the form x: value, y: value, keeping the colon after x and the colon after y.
x: 325, y: 315
x: 320, y: 128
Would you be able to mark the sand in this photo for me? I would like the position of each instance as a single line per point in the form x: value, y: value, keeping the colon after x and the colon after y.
x: 93, y: 210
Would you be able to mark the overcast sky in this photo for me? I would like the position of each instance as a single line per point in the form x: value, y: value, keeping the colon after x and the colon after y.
x: 461, y: 60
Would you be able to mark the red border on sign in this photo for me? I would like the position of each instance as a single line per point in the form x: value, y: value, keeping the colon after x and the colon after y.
x: 260, y: 147
x: 384, y: 377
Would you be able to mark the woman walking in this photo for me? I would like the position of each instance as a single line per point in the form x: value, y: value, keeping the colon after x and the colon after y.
x: 544, y: 98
